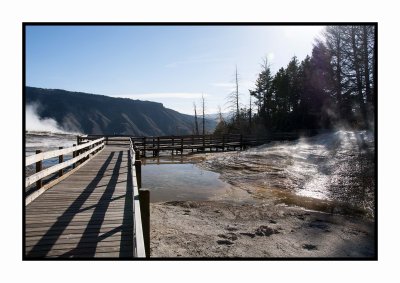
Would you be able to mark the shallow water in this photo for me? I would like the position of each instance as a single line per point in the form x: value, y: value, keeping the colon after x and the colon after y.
x: 174, y: 179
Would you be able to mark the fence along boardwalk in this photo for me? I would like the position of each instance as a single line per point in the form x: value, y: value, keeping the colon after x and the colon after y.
x: 199, y: 143
x: 91, y: 213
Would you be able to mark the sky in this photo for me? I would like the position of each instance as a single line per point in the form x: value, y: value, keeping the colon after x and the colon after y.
x: 174, y: 65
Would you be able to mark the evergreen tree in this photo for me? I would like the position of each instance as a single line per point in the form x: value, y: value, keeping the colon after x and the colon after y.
x: 334, y: 86
x: 263, y: 93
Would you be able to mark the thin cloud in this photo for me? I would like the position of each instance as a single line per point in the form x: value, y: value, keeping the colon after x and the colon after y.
x: 224, y: 85
x: 197, y: 60
x: 230, y: 85
x: 158, y: 95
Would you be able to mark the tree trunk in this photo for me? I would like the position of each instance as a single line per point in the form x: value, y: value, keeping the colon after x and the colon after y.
x: 203, y: 106
x: 195, y: 120
x: 339, y: 75
x: 366, y: 65
x: 250, y: 115
x: 237, y: 95
x: 358, y: 73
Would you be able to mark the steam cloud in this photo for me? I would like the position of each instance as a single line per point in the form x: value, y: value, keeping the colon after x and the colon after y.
x: 35, y: 123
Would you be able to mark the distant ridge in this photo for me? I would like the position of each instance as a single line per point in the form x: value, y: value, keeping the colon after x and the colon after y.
x: 100, y: 114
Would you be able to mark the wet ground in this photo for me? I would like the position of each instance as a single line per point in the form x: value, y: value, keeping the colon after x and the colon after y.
x: 331, y: 172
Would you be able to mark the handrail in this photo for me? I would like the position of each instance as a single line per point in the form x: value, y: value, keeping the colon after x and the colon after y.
x: 139, y: 238
x: 54, y: 153
x: 77, y: 156
x: 41, y: 174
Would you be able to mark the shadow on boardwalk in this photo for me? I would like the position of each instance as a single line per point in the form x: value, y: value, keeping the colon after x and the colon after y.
x: 91, y: 235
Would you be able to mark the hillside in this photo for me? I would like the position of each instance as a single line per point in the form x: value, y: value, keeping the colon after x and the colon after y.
x: 99, y: 114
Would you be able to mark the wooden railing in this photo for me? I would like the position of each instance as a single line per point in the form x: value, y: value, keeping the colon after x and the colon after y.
x: 155, y: 144
x: 141, y: 206
x: 80, y: 154
x: 203, y: 142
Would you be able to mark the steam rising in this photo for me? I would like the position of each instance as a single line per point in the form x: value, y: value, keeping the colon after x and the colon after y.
x: 35, y: 123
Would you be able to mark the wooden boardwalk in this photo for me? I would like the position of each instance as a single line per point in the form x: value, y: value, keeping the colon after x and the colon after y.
x: 89, y: 214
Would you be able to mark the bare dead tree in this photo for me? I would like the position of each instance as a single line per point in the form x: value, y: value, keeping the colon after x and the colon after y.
x: 203, y: 106
x: 220, y: 117
x: 196, y: 123
x: 250, y: 114
x: 237, y: 93
x: 234, y: 97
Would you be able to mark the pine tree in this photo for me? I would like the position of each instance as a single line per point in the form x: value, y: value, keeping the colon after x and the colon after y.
x: 263, y: 93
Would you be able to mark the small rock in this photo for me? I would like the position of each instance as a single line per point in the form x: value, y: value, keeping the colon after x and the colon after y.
x: 231, y: 228
x: 310, y: 247
x: 265, y: 231
x: 224, y: 242
x: 251, y: 235
x: 229, y: 236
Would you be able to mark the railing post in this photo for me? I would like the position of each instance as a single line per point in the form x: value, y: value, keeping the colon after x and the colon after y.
x: 60, y: 160
x: 144, y: 200
x: 137, y: 154
x: 38, y: 169
x: 173, y: 144
x: 77, y: 153
x: 138, y: 169
x: 158, y: 146
x: 154, y: 146
x: 241, y: 142
x: 73, y: 156
x: 181, y: 146
x: 144, y: 146
x: 78, y: 140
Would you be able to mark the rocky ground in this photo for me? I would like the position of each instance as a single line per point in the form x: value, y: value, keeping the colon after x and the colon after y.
x: 226, y: 229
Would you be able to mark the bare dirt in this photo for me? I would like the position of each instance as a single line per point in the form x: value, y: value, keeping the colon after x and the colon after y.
x: 225, y: 229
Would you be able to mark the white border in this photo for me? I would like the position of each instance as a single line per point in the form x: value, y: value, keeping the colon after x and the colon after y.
x: 13, y: 13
